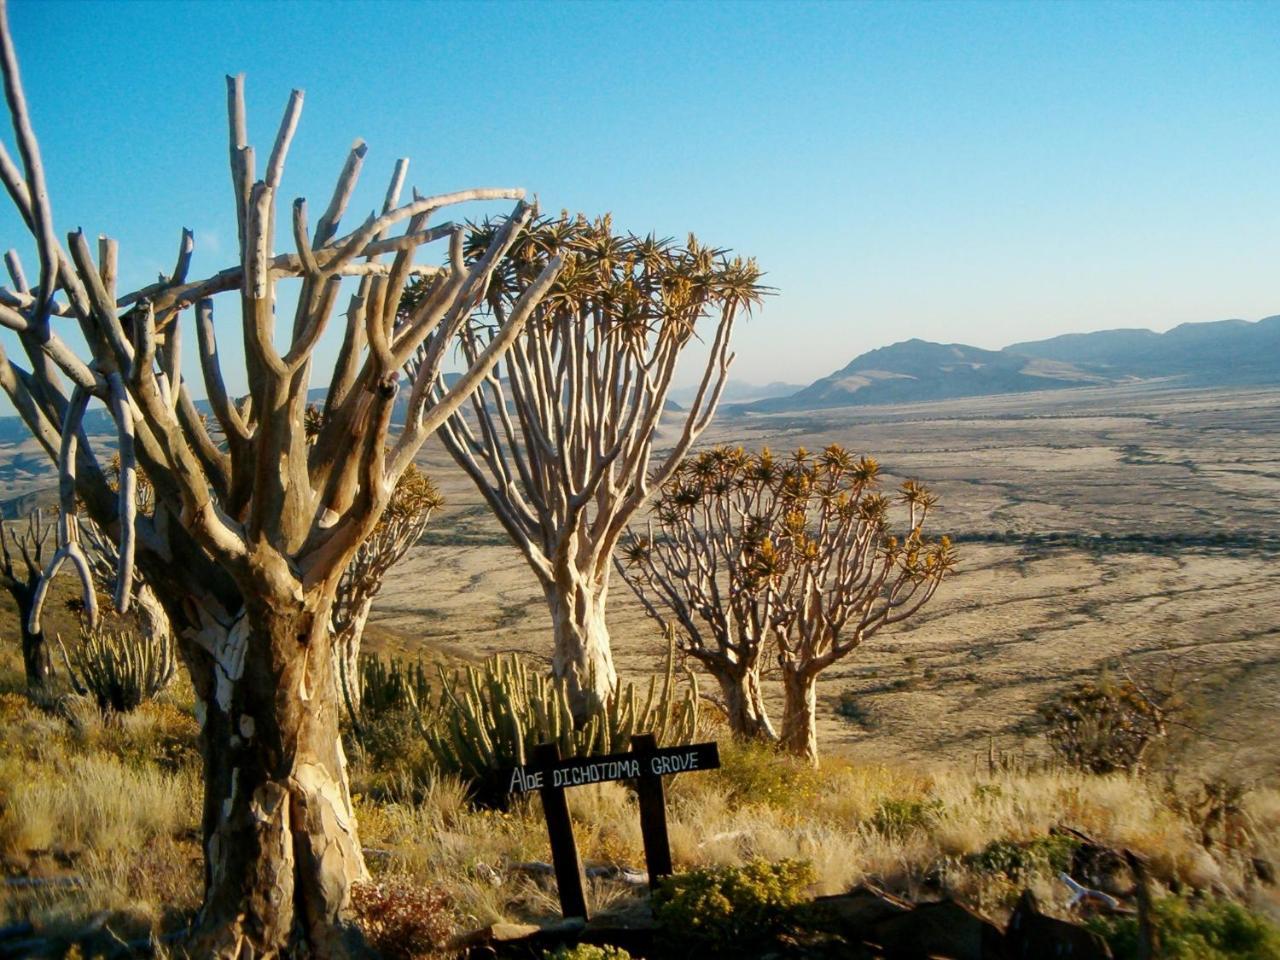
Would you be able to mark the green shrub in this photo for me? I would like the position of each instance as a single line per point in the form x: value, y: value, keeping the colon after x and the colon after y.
x: 898, y: 816
x: 1214, y: 929
x: 729, y: 911
x: 586, y: 951
x: 391, y: 685
x: 1019, y: 860
x: 755, y: 772
x: 120, y: 669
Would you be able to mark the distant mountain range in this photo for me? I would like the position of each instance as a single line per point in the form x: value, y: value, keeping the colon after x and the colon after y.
x: 1223, y: 353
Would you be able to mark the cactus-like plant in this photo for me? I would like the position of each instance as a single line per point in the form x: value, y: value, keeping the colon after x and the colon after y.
x: 391, y: 684
x: 120, y: 669
x: 490, y: 717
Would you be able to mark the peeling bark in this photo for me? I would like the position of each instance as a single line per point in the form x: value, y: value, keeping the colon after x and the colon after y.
x: 280, y: 833
x: 346, y: 641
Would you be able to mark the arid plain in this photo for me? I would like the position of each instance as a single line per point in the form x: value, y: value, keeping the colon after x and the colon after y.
x: 1137, y: 524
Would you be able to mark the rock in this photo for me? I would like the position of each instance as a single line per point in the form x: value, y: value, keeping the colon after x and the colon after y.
x: 488, y: 937
x: 852, y: 915
x: 1031, y: 935
x: 944, y: 929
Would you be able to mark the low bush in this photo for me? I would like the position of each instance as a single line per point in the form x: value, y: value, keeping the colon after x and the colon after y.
x: 753, y: 772
x: 851, y: 707
x: 1213, y: 929
x: 1019, y: 860
x: 897, y: 817
x: 403, y: 920
x: 729, y: 911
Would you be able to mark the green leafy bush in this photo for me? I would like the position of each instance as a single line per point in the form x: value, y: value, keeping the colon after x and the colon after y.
x: 729, y: 911
x: 1018, y: 860
x: 1214, y: 929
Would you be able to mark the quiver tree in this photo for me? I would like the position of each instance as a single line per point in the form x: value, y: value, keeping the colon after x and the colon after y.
x: 412, y: 502
x: 561, y: 437
x: 250, y: 534
x: 23, y: 554
x: 745, y: 550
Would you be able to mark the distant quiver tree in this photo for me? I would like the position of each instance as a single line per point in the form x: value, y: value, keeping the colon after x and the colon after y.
x: 747, y: 553
x: 563, y: 438
x: 24, y: 551
x: 403, y: 522
x: 251, y: 532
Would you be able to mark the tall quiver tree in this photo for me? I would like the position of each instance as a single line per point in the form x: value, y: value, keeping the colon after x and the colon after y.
x: 561, y: 438
x: 23, y: 549
x: 748, y: 553
x: 249, y: 536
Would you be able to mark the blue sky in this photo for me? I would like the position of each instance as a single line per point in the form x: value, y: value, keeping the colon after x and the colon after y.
x: 981, y: 173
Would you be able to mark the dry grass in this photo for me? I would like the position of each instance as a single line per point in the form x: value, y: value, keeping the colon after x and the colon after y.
x: 98, y: 815
x: 115, y: 804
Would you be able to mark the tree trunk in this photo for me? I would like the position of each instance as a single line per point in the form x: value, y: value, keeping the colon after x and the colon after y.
x: 582, y: 654
x: 744, y: 704
x: 281, y: 847
x: 36, y: 660
x: 800, y: 715
x: 346, y: 652
x: 151, y: 614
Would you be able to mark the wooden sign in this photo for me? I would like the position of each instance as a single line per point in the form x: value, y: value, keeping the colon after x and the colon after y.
x: 646, y: 764
x: 614, y: 766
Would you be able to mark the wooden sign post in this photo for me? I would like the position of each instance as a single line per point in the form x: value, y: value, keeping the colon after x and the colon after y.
x: 646, y: 764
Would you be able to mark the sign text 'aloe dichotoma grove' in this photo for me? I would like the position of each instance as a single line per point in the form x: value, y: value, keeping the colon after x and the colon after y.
x: 615, y: 766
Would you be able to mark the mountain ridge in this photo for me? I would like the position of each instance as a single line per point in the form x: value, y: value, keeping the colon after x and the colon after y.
x: 1213, y: 353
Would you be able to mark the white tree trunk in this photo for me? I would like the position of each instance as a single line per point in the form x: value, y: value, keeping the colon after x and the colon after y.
x: 582, y: 654
x: 744, y: 705
x: 346, y: 651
